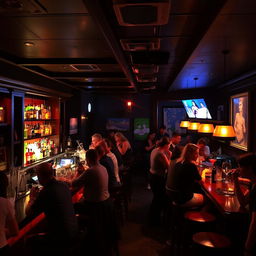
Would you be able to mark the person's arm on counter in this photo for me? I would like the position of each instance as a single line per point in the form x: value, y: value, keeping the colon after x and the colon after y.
x: 33, y: 206
x: 242, y: 198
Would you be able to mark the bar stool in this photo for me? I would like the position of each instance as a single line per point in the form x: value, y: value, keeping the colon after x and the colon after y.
x: 176, y: 226
x: 211, y: 244
x: 200, y: 221
x: 120, y: 203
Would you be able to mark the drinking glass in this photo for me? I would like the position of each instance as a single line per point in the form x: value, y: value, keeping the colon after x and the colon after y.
x: 226, y: 168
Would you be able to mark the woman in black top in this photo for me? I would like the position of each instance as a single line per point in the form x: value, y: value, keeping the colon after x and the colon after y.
x: 182, y: 178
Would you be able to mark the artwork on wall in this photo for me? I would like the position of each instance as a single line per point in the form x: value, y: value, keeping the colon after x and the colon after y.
x: 73, y: 125
x: 141, y: 128
x: 239, y: 120
x: 172, y: 118
x: 118, y: 124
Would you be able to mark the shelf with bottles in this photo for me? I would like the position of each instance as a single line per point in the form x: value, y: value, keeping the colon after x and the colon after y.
x: 37, y: 111
x: 38, y: 130
x: 40, y: 148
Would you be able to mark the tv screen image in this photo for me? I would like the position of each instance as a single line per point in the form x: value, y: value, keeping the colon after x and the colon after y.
x: 196, y: 108
x: 66, y: 161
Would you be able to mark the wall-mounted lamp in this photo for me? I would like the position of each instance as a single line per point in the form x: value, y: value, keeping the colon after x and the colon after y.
x: 206, y: 128
x: 193, y: 126
x: 83, y: 117
x: 184, y: 124
x: 224, y: 131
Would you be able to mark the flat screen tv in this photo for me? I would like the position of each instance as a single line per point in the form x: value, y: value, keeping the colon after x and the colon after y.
x: 196, y: 108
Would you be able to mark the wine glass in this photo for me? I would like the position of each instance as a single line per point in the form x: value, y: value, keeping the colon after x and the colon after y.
x: 226, y: 168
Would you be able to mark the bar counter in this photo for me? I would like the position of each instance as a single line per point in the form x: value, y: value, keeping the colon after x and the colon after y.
x: 34, y: 222
x: 226, y: 204
x: 28, y: 224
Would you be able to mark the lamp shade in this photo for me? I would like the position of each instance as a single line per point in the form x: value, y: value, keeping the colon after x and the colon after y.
x: 184, y: 124
x: 224, y: 131
x: 193, y: 126
x: 206, y: 128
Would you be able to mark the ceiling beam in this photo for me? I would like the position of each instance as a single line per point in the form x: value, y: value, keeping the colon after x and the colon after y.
x: 70, y: 75
x: 48, y: 61
x: 95, y: 9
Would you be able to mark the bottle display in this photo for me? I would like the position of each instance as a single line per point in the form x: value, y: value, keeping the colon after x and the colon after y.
x: 38, y: 150
x: 37, y: 112
x: 41, y: 129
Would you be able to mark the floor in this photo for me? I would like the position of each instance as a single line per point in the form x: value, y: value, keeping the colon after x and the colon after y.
x: 138, y: 238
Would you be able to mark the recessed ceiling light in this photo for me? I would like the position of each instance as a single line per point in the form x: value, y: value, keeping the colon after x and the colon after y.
x: 29, y: 44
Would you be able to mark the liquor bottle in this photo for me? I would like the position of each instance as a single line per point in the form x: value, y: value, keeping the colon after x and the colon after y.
x: 69, y: 142
x: 26, y: 132
x: 213, y: 177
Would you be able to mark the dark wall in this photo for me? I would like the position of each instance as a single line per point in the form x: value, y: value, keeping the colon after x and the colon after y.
x: 115, y: 106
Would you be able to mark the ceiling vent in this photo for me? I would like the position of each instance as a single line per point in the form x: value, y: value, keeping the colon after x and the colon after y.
x: 154, y: 57
x: 146, y: 78
x: 141, y: 12
x: 140, y: 44
x: 145, y: 69
x: 85, y: 67
x: 21, y: 7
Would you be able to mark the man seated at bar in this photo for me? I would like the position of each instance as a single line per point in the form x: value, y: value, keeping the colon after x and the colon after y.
x: 96, y: 139
x: 204, y: 150
x: 97, y: 205
x: 8, y: 224
x: 56, y: 202
x: 108, y: 163
x: 182, y: 179
x: 247, y: 169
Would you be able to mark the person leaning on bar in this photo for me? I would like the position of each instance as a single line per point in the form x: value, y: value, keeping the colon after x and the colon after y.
x: 56, y: 202
x: 183, y: 177
x: 247, y: 169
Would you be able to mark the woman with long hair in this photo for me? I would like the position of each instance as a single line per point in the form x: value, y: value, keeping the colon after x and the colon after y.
x: 159, y: 163
x: 124, y: 147
x: 182, y: 179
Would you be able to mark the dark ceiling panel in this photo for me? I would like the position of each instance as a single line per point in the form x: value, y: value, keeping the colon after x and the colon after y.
x: 64, y: 6
x: 69, y: 68
x: 92, y: 79
x: 84, y: 32
x: 11, y: 28
x: 61, y: 27
x: 233, y: 31
x: 57, y: 48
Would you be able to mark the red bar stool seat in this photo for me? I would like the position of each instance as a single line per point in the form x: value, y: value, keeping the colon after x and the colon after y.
x: 199, y: 216
x: 211, y: 243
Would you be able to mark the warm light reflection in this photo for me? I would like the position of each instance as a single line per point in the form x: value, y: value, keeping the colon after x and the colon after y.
x: 129, y: 103
x: 184, y: 124
x: 224, y: 131
x: 29, y: 44
x: 193, y: 126
x: 206, y: 128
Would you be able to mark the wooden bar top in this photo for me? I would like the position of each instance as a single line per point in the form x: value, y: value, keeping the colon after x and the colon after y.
x: 227, y: 204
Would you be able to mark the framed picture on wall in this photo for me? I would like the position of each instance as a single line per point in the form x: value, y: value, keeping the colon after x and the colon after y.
x: 73, y: 122
x: 141, y: 128
x: 172, y: 118
x: 239, y: 120
x: 118, y: 124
